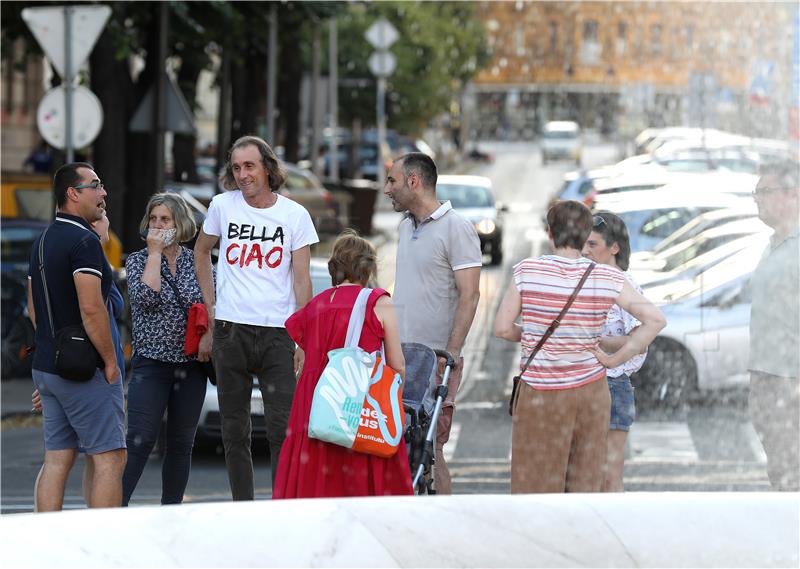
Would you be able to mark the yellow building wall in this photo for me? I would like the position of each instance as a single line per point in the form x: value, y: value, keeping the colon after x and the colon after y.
x: 695, y: 37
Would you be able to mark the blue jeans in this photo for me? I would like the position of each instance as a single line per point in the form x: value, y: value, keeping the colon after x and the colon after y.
x: 623, y: 406
x: 156, y: 387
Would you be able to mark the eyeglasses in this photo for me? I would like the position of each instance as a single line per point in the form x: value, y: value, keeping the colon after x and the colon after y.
x: 94, y: 184
x: 598, y: 221
x: 758, y: 192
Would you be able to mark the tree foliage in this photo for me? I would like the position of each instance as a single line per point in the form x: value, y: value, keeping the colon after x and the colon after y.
x: 441, y: 46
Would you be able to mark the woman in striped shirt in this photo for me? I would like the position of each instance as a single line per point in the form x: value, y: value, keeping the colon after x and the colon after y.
x: 562, y: 409
x: 609, y: 244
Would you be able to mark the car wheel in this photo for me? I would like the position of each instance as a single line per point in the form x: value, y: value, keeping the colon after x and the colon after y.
x: 668, y: 378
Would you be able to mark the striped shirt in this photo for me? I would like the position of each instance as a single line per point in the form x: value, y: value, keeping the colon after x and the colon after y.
x: 545, y: 284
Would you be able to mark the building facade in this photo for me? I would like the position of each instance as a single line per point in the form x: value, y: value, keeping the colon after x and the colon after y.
x: 626, y: 65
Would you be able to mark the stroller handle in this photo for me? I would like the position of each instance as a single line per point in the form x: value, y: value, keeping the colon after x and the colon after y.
x: 451, y: 362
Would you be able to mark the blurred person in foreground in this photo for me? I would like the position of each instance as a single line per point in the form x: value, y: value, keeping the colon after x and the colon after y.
x: 609, y: 244
x: 774, y: 398
x: 562, y: 408
x: 162, y: 286
x: 310, y: 468
x: 438, y: 280
x: 263, y: 278
x: 88, y: 414
x: 115, y: 305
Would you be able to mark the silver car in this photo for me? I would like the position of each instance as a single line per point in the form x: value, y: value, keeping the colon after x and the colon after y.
x: 209, y: 429
x: 705, y: 345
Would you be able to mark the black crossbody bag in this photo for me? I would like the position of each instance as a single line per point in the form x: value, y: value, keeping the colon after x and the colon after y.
x: 552, y: 328
x: 76, y: 358
x: 208, y: 367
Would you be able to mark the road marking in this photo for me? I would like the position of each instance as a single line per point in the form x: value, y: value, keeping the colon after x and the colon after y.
x: 662, y: 441
x: 450, y: 446
x: 755, y: 443
x: 481, y: 405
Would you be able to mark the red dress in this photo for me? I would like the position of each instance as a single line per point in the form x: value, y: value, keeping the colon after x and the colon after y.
x: 309, y: 468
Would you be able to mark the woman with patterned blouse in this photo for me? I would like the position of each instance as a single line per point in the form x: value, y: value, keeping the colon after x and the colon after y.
x: 163, y: 378
x: 609, y: 244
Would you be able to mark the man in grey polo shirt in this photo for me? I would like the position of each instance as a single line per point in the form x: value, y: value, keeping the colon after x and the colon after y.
x: 775, y: 327
x: 437, y: 279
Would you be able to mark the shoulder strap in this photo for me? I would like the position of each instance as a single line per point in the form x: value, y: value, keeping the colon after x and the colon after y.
x: 356, y: 322
x: 44, y: 282
x: 174, y: 287
x: 557, y: 322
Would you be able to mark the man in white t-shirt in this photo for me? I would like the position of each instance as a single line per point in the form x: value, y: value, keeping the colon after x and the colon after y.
x: 262, y: 278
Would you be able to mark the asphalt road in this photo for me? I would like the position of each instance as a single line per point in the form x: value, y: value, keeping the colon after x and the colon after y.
x: 710, y: 446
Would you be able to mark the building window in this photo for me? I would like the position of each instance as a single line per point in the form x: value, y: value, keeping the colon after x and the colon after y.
x: 622, y: 38
x: 688, y: 32
x: 553, y: 29
x: 590, y: 48
x: 655, y: 39
x: 519, y: 39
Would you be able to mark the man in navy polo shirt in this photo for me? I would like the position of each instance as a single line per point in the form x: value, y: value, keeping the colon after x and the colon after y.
x: 87, y: 414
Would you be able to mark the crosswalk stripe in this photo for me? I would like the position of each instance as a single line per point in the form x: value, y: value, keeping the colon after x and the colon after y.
x: 662, y: 440
x: 450, y: 447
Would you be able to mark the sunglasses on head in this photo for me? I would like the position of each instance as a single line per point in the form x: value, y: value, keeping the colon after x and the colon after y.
x: 598, y: 221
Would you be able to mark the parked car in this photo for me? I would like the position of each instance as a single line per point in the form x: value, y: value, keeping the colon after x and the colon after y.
x: 17, y: 237
x: 693, y: 256
x: 209, y: 428
x: 472, y: 197
x: 705, y: 346
x: 561, y: 139
x: 653, y: 215
x: 698, y: 225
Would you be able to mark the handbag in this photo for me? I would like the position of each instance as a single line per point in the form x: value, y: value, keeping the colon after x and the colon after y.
x: 196, y: 326
x: 357, y: 402
x: 76, y: 358
x: 549, y: 332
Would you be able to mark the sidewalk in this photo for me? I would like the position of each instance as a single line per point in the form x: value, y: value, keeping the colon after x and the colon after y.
x: 15, y: 398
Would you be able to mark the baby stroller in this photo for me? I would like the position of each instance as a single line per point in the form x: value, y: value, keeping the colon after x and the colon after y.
x: 422, y: 402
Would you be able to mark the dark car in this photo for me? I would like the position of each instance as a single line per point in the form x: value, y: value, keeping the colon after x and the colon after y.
x: 17, y: 239
x: 472, y: 197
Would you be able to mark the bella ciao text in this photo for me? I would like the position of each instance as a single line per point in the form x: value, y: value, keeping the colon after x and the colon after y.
x: 262, y: 249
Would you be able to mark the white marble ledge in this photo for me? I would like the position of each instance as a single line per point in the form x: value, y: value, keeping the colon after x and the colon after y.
x: 546, y: 530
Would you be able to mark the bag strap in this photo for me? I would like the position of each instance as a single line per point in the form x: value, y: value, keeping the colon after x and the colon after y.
x: 557, y: 322
x: 44, y: 283
x: 174, y: 287
x: 357, y: 316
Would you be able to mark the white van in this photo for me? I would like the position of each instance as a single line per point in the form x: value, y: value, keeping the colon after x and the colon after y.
x: 562, y: 139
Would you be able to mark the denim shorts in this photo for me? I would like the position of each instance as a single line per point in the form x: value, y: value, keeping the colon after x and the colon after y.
x: 88, y: 415
x: 623, y: 408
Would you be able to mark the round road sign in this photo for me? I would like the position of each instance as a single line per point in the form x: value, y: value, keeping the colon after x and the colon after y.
x: 87, y: 117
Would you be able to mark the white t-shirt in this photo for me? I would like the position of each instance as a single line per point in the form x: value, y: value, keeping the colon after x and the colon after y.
x: 254, y: 273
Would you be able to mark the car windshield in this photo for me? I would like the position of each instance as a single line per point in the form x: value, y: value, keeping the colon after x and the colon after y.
x: 560, y: 134
x: 462, y: 196
x: 17, y: 243
x: 696, y: 249
x: 693, y: 228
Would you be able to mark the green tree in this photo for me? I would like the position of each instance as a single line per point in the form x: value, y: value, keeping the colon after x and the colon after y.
x: 442, y: 45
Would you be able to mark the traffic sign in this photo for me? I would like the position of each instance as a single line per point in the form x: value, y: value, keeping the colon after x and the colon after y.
x: 382, y: 63
x: 87, y: 117
x: 382, y: 34
x: 48, y: 26
x: 178, y: 115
